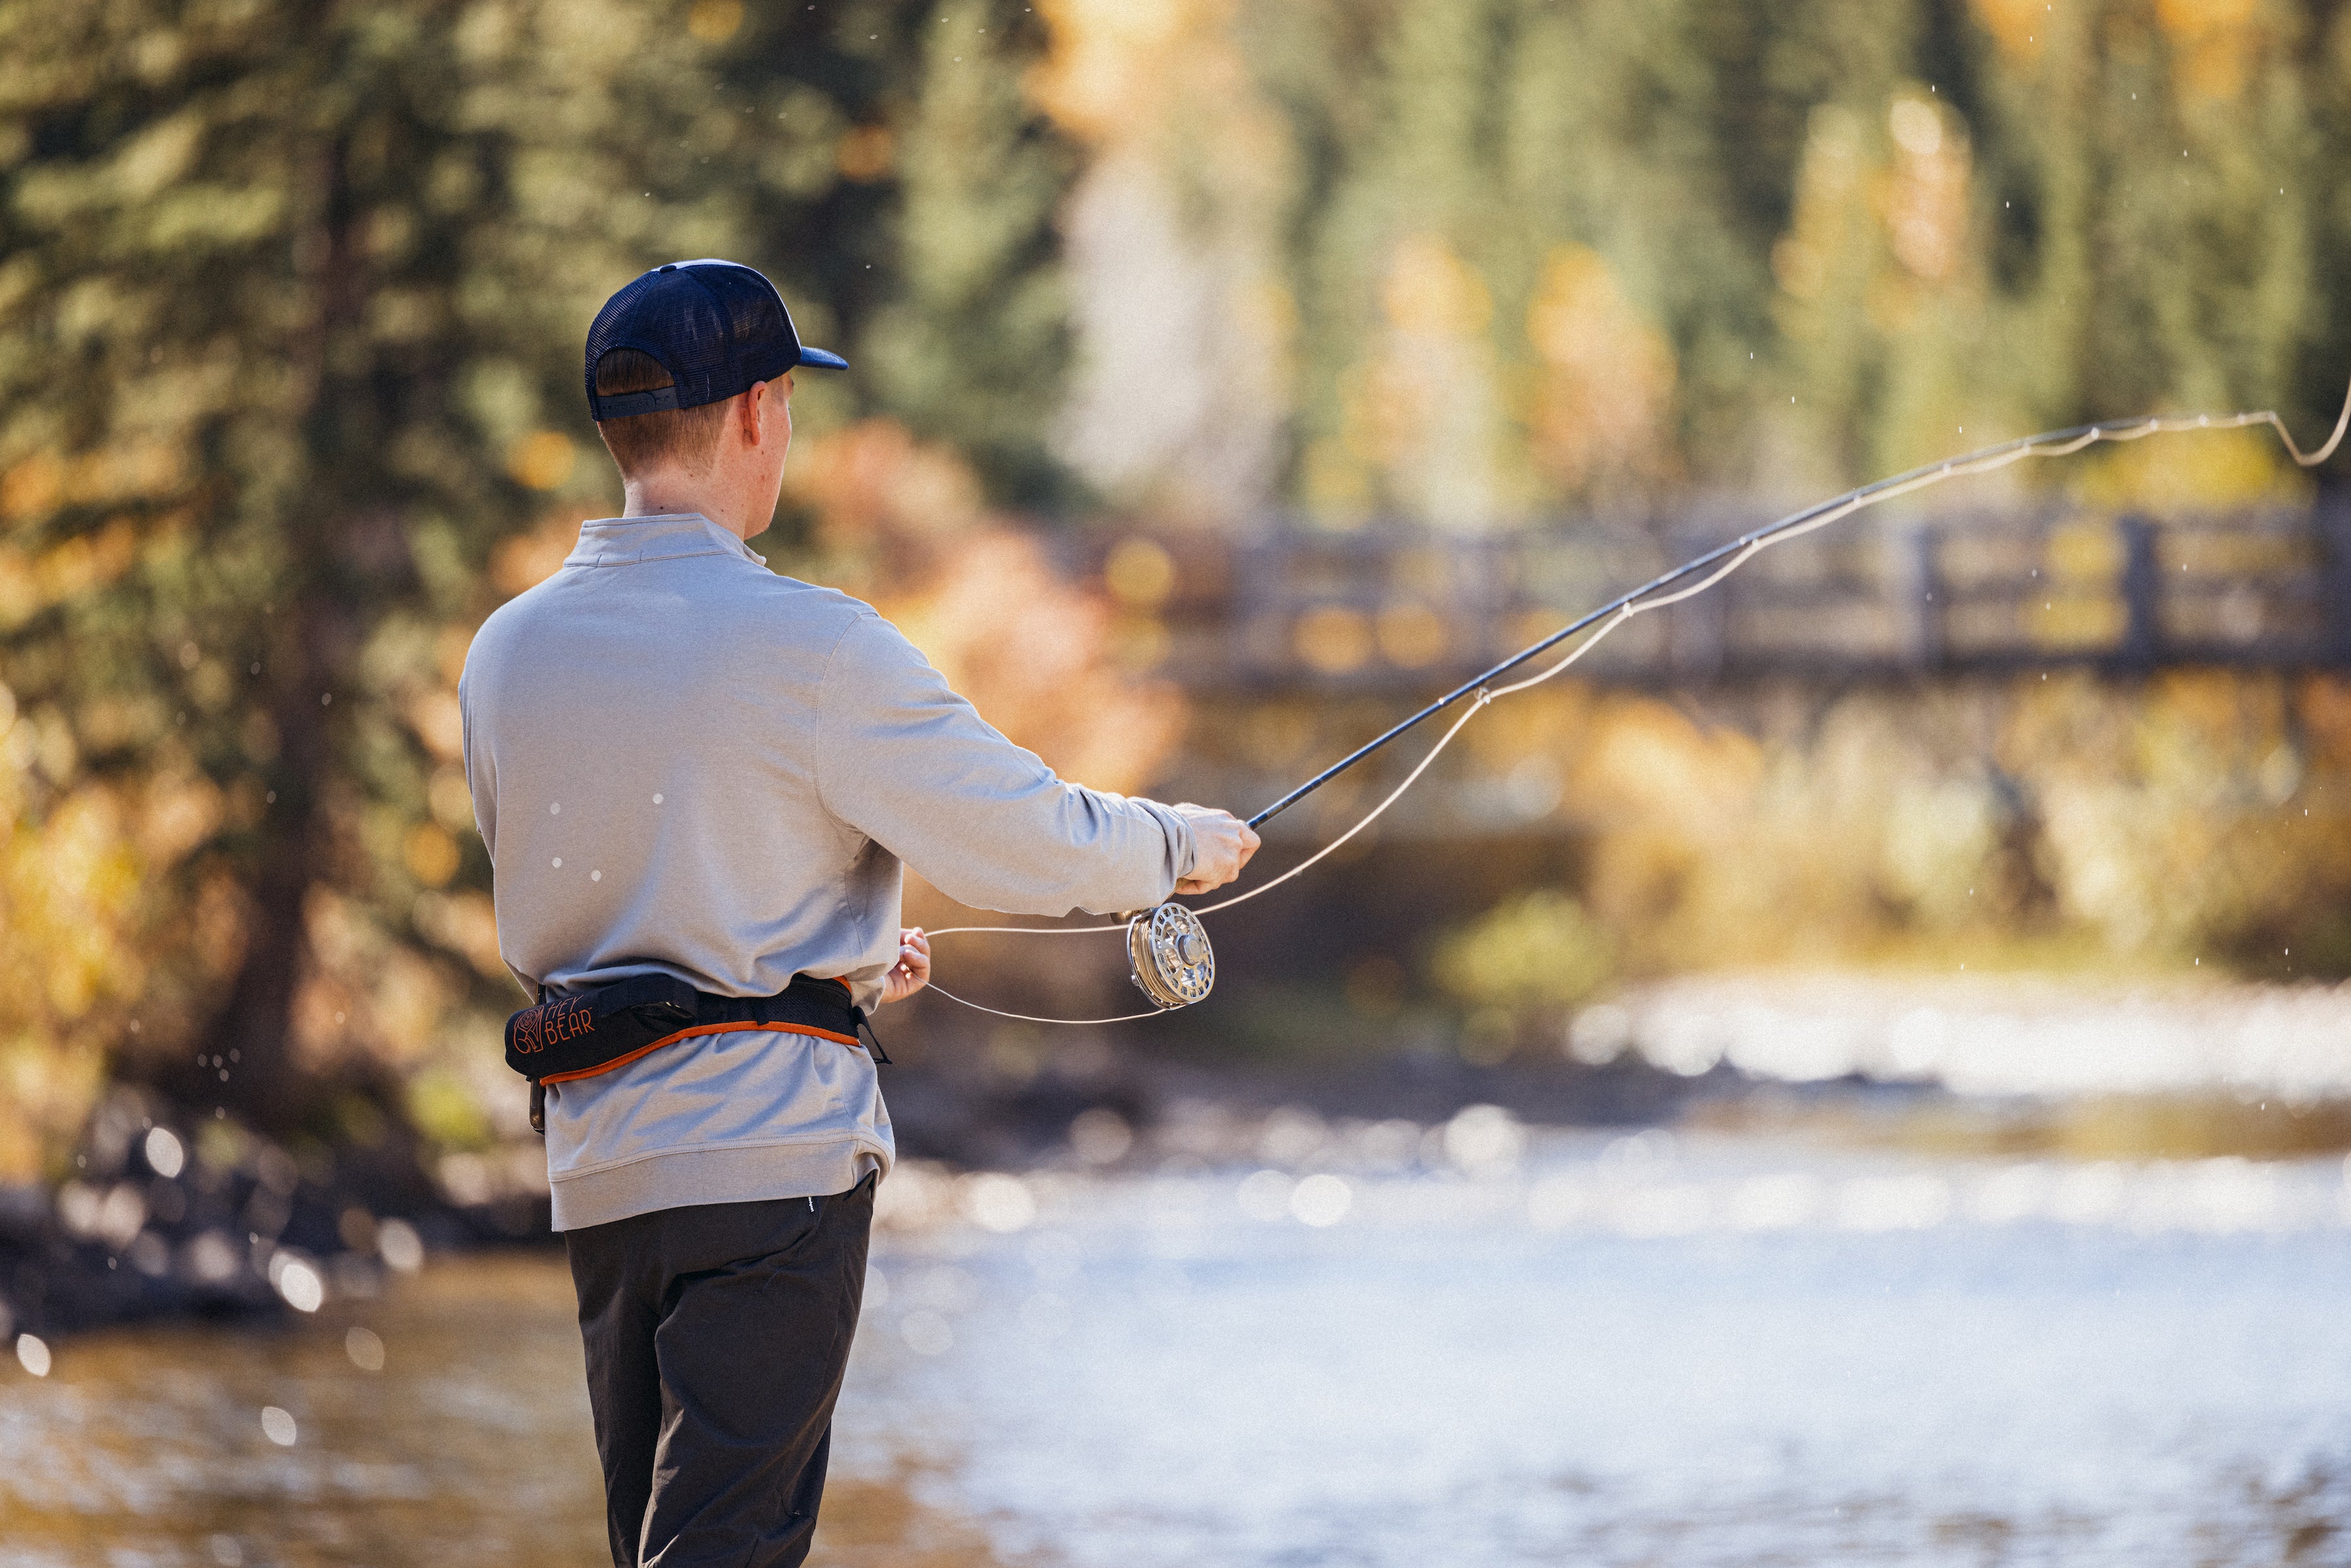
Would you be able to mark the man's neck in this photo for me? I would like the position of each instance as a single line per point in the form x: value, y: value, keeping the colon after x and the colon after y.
x: 669, y: 495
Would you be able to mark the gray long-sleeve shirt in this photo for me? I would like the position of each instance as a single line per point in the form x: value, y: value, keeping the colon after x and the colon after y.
x: 684, y: 763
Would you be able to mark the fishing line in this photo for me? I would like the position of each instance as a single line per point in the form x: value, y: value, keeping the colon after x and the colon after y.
x: 1168, y: 950
x: 1031, y: 1017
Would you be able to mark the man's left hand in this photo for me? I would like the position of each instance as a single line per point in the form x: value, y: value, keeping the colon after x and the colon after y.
x: 913, y: 970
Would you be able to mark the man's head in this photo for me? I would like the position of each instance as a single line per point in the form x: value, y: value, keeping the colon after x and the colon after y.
x: 684, y: 438
x: 688, y: 378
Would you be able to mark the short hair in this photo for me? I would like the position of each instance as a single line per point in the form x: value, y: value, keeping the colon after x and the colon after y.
x: 684, y: 437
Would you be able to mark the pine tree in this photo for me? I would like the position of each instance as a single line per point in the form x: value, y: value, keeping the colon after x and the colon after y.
x: 891, y: 174
x: 293, y: 282
x: 290, y: 312
x: 974, y: 351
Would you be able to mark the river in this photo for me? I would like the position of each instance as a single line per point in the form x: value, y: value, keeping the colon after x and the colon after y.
x: 1458, y: 1345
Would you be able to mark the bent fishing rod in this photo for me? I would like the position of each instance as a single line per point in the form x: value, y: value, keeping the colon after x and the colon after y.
x: 1168, y: 953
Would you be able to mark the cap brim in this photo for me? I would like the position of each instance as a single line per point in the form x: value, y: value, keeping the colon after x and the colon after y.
x: 818, y: 357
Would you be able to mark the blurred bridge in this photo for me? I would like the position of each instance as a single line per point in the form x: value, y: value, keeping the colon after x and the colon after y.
x: 1976, y: 592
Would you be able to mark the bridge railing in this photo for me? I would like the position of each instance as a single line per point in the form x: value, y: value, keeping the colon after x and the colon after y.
x: 1987, y: 590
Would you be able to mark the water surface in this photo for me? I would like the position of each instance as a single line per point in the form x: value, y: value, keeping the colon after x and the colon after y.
x: 1594, y: 1350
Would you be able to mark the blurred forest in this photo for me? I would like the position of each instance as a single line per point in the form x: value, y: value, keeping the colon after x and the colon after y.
x: 291, y: 297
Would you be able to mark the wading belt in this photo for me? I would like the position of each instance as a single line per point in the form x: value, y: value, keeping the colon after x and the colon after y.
x: 609, y: 1026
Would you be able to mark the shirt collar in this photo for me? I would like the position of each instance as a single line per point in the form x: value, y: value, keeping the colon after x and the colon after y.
x: 627, y: 542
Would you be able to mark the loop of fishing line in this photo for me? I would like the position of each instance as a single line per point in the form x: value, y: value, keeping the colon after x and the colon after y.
x: 1155, y: 971
x: 1031, y: 1017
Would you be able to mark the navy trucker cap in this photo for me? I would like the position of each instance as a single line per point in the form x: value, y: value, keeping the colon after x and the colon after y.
x: 717, y: 327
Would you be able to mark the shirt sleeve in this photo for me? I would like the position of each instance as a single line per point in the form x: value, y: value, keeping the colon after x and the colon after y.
x: 912, y: 765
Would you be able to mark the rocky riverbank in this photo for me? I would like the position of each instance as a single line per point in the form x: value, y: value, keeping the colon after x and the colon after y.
x: 169, y: 1214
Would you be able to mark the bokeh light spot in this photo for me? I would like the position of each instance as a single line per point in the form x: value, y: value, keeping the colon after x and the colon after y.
x: 365, y: 1348
x: 998, y: 1202
x: 714, y: 21
x: 927, y: 1334
x: 1322, y: 1199
x: 1100, y: 1136
x: 1266, y: 1194
x: 543, y: 459
x: 298, y: 1282
x: 1140, y: 572
x: 166, y: 1156
x: 398, y: 1244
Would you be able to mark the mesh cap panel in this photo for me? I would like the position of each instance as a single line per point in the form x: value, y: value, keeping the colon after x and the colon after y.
x: 716, y: 327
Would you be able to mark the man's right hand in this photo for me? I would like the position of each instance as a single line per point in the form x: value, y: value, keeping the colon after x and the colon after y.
x: 1221, y: 844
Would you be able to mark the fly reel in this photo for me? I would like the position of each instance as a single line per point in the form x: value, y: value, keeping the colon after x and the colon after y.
x: 1167, y: 951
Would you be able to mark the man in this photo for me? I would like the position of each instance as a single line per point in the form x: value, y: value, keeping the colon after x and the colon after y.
x: 696, y: 775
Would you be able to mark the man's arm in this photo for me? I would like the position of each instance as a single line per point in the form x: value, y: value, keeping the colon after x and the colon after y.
x: 907, y: 762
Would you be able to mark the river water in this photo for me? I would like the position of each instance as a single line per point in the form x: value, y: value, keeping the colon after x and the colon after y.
x: 1467, y: 1349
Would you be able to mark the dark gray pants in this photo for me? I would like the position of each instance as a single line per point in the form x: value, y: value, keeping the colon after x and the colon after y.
x: 716, y: 1336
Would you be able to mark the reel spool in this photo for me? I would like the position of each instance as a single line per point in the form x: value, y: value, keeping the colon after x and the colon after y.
x: 1169, y: 954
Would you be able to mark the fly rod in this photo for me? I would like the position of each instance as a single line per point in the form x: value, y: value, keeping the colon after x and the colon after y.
x: 1169, y: 951
x: 2053, y: 444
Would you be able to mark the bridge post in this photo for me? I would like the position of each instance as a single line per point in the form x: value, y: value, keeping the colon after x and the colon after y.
x: 1919, y: 597
x: 2332, y: 515
x: 2142, y: 587
x: 1697, y: 631
x: 1256, y: 646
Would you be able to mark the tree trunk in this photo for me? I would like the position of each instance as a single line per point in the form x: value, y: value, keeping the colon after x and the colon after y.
x: 251, y: 1036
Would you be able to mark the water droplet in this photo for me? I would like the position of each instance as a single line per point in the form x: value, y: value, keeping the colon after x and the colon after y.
x: 595, y: 876
x: 657, y: 800
x: 555, y: 809
x: 558, y: 863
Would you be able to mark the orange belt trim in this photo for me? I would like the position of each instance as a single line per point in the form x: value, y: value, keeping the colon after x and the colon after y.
x: 849, y: 1039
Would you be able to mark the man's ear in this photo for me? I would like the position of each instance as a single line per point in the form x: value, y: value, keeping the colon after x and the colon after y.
x: 750, y: 413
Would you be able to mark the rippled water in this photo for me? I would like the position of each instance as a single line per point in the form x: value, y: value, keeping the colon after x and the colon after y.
x: 470, y: 1444
x: 1608, y: 1351
x: 1990, y: 1034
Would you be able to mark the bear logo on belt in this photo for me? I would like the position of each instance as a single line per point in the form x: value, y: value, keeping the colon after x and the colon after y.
x: 551, y: 1023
